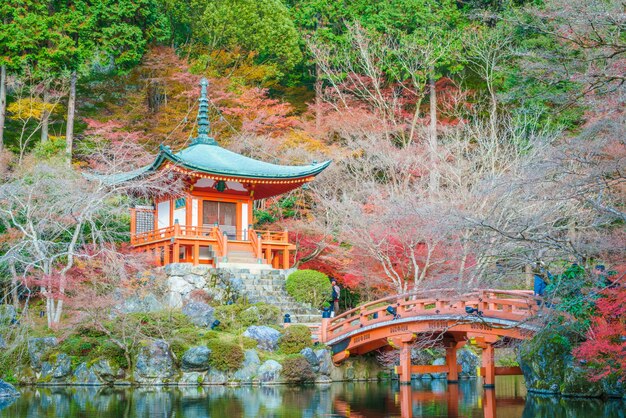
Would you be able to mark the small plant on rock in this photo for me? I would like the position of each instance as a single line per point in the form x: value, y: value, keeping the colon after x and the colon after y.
x: 297, y: 369
x: 295, y: 338
x: 225, y: 356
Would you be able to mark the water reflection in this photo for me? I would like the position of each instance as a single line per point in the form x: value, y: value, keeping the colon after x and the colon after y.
x: 433, y: 398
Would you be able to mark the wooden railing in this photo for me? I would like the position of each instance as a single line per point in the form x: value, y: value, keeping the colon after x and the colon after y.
x: 273, y: 236
x: 502, y: 304
x: 256, y: 244
x: 162, y: 234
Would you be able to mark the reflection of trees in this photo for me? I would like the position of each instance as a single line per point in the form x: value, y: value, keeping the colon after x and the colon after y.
x: 359, y: 399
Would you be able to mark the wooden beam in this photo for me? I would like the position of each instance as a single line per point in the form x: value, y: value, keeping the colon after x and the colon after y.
x: 196, y: 253
x: 504, y: 371
x: 285, y: 258
x: 489, y: 376
x: 405, y: 364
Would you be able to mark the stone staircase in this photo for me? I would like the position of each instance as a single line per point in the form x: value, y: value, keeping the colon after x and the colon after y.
x: 270, y: 288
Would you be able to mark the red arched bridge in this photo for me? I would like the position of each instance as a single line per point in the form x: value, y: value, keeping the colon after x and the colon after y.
x: 486, y: 318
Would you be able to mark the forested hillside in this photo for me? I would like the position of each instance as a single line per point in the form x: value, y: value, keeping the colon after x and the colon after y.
x: 471, y: 141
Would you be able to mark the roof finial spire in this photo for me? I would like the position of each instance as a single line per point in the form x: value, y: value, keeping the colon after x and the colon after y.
x: 203, y: 116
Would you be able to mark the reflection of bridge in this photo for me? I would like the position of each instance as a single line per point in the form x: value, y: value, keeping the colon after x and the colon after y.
x: 407, y: 397
x: 443, y: 317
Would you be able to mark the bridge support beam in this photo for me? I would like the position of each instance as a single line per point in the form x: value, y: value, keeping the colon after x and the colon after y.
x: 405, y: 364
x: 451, y: 349
x: 489, y: 378
x: 453, y: 374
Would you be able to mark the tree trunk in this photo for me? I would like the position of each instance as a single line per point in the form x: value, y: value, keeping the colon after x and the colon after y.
x: 14, y: 284
x: 45, y: 117
x: 71, y: 107
x: 432, y: 137
x: 3, y: 102
x: 318, y: 98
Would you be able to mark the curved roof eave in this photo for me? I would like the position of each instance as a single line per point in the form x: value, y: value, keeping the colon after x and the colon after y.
x: 166, y: 154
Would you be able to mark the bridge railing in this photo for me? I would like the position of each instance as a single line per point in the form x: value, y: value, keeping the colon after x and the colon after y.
x: 514, y: 305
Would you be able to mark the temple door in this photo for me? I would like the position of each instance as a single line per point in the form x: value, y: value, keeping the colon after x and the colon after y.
x: 223, y: 214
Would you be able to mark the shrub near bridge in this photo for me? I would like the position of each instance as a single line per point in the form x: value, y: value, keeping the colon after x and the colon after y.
x: 295, y: 338
x: 309, y: 286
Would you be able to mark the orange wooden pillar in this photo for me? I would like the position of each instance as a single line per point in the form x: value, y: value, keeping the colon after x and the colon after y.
x: 176, y: 252
x: 285, y: 259
x: 453, y: 400
x: 453, y: 373
x: 489, y: 379
x: 489, y: 403
x: 196, y: 253
x: 405, y: 364
x: 406, y: 401
x: 166, y: 254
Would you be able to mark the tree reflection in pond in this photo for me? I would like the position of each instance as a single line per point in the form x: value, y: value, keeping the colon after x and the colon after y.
x: 434, y: 398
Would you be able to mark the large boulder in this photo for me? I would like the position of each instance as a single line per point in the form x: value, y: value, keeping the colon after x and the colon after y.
x: 84, y: 375
x: 8, y: 314
x: 154, y: 364
x: 57, y: 371
x: 37, y: 347
x: 576, y: 382
x: 266, y: 337
x: 196, y: 359
x: 613, y: 387
x: 468, y: 361
x: 105, y: 371
x: 310, y: 356
x: 215, y: 377
x: 325, y: 361
x: 7, y: 390
x: 147, y: 303
x: 191, y: 379
x: 543, y: 363
x: 269, y: 372
x: 199, y: 313
x: 250, y: 367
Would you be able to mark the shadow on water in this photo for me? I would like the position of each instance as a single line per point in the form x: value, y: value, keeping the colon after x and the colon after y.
x: 434, y: 398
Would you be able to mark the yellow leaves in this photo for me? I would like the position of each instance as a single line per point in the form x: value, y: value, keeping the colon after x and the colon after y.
x: 29, y: 108
x: 301, y: 139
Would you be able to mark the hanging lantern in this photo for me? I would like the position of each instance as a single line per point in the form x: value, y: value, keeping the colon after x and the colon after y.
x: 220, y: 186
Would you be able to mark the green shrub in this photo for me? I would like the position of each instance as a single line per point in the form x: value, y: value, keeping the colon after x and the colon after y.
x: 295, y: 338
x: 297, y: 369
x: 228, y: 315
x: 225, y: 355
x: 260, y: 314
x: 309, y: 286
x: 248, y: 343
x: 241, y: 315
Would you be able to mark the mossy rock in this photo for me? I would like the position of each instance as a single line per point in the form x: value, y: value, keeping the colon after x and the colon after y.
x: 544, y: 360
x: 296, y: 369
x: 577, y: 383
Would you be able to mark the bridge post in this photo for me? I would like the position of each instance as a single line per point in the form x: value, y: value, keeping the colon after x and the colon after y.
x: 405, y: 364
x: 489, y: 379
x: 453, y: 373
x: 406, y: 402
x: 324, y: 330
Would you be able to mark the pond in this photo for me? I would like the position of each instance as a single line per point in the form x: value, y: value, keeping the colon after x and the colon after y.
x: 433, y: 398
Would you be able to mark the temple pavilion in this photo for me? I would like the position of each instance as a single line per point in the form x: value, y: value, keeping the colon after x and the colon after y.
x: 212, y: 223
